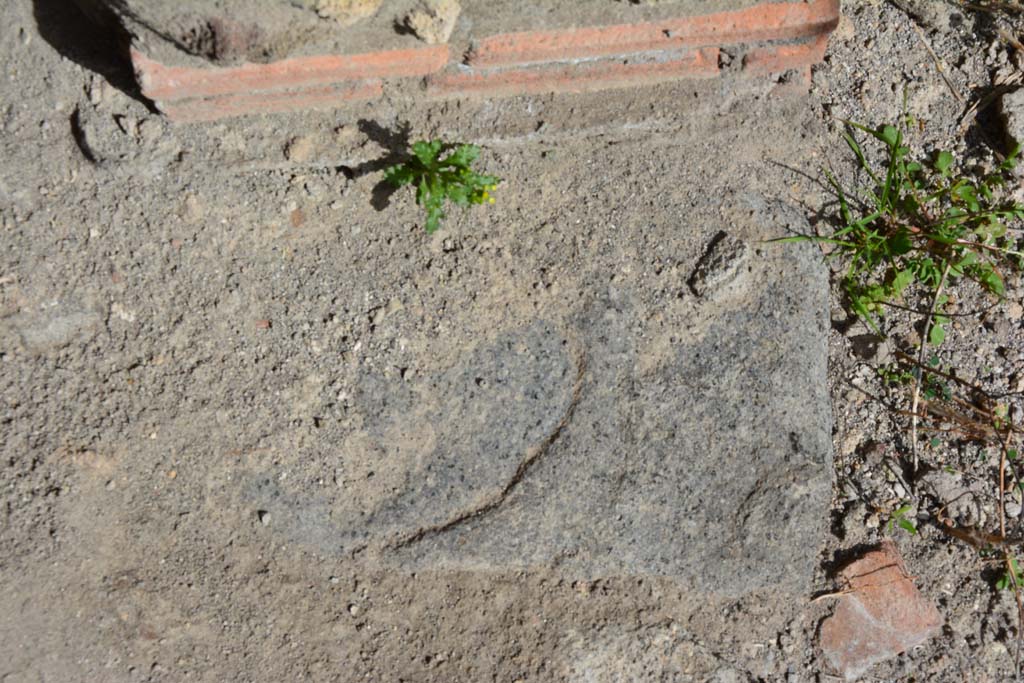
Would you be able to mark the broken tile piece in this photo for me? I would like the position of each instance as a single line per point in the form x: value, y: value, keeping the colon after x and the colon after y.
x: 881, y: 615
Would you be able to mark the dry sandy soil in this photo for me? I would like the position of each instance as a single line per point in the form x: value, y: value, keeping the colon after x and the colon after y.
x: 188, y: 311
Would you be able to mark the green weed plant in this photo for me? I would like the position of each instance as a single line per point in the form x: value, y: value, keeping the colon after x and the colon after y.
x: 442, y: 172
x: 899, y: 518
x: 920, y: 226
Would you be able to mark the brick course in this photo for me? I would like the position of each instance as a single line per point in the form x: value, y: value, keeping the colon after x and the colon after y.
x: 585, y: 77
x: 770, y: 37
x: 776, y: 21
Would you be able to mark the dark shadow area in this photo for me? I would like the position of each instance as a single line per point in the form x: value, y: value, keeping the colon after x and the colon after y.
x: 867, y: 346
x: 78, y: 133
x: 843, y: 557
x: 982, y: 131
x: 95, y: 40
x: 987, y: 129
x: 397, y: 144
x: 837, y: 525
x: 402, y: 29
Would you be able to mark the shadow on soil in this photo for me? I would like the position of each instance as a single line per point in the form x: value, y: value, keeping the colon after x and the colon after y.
x: 841, y: 558
x: 397, y: 144
x: 93, y: 40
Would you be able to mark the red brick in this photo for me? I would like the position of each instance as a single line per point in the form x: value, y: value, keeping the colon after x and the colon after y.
x: 881, y: 615
x: 576, y: 78
x: 770, y: 21
x: 213, y: 108
x: 159, y: 82
x: 778, y: 58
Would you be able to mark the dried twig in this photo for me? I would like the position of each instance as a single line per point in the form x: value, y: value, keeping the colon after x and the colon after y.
x: 939, y: 64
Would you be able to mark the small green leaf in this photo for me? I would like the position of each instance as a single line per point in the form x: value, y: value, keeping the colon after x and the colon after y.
x: 937, y: 335
x: 907, y: 525
x: 434, y: 216
x: 943, y: 161
x: 968, y: 195
x: 990, y: 279
x: 890, y: 135
x: 1011, y: 161
x: 901, y: 280
x: 900, y: 243
x: 463, y: 156
x: 898, y: 518
x: 969, y: 259
x: 459, y: 195
x: 1007, y: 581
x: 426, y: 152
x: 399, y: 175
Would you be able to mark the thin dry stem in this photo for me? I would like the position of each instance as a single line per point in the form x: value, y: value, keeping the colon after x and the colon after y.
x: 1008, y: 559
x: 920, y: 360
x: 939, y: 65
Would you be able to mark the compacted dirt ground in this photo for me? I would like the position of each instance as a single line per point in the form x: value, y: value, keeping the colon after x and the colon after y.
x: 185, y: 310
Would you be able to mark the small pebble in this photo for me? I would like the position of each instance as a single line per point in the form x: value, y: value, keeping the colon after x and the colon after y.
x: 353, y: 609
x: 264, y: 517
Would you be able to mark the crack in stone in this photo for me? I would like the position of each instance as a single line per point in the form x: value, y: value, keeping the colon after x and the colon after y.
x: 534, y: 454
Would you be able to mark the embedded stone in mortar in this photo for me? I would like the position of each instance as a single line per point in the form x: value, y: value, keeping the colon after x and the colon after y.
x: 1012, y: 109
x: 719, y: 265
x: 433, y: 20
x: 346, y: 12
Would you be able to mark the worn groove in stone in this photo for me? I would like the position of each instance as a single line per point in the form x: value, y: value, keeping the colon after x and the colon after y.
x: 535, y: 453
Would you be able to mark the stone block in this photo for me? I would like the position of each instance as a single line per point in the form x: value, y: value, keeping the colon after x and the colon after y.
x: 578, y: 444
